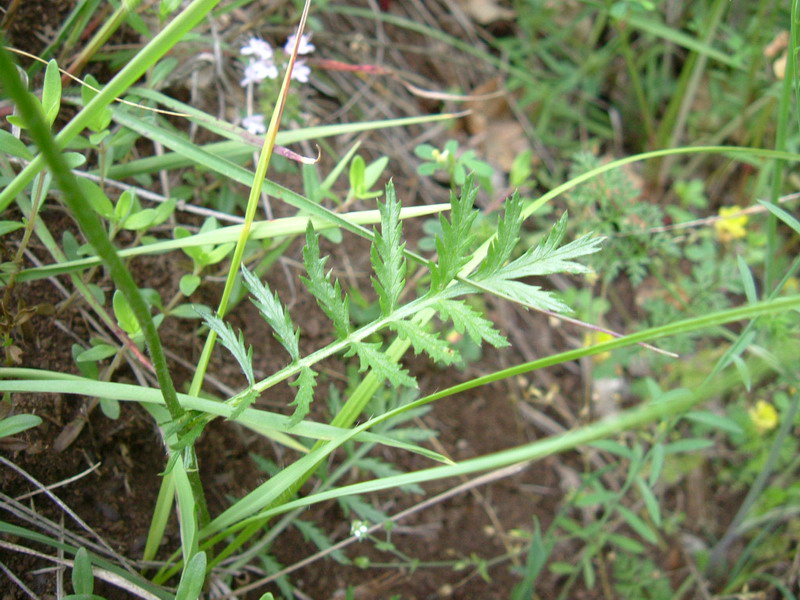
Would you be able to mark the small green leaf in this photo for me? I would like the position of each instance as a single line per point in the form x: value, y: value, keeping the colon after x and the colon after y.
x: 97, y: 292
x: 562, y: 568
x: 747, y: 281
x: 234, y: 344
x: 124, y: 314
x: 650, y: 501
x: 688, y: 445
x: 189, y: 283
x: 275, y: 314
x: 588, y: 572
x: 521, y: 169
x: 70, y: 245
x: 17, y: 121
x: 161, y: 70
x: 455, y: 242
x: 9, y: 226
x: 139, y: 220
x: 152, y: 297
x: 328, y: 295
x: 424, y: 151
x: 18, y: 423
x: 164, y: 211
x: 613, y: 447
x: 99, y: 352
x: 600, y: 497
x: 51, y: 92
x: 365, y: 512
x: 216, y: 255
x: 110, y: 407
x: 357, y: 167
x: 784, y: 216
x: 192, y: 578
x: 242, y: 403
x: 547, y: 258
x: 82, y: 577
x: 96, y: 198
x: 505, y: 240
x: 186, y: 311
x: 427, y: 169
x: 167, y: 7
x: 13, y: 146
x: 316, y: 535
x: 74, y: 160
x: 531, y: 295
x: 638, y: 525
x: 387, y: 256
x: 305, y: 395
x: 87, y: 369
x: 657, y: 455
x: 101, y: 119
x: 424, y: 341
x: 714, y: 420
x: 374, y: 170
x: 743, y: 370
x: 371, y: 356
x: 97, y: 138
x: 467, y: 319
x: 626, y: 543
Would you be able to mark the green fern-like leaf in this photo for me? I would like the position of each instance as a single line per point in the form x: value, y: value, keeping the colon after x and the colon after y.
x: 547, y: 258
x: 455, y: 242
x: 544, y: 259
x: 362, y: 509
x: 387, y: 254
x: 328, y: 295
x: 274, y: 313
x: 371, y: 356
x: 234, y: 344
x: 424, y: 341
x: 242, y: 403
x: 271, y: 566
x: 506, y: 239
x: 305, y: 383
x: 316, y: 535
x: 531, y: 295
x: 466, y: 319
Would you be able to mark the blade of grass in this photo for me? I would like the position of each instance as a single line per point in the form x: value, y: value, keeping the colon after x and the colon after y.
x: 781, y: 137
x: 671, y: 128
x: 108, y: 28
x: 287, y: 226
x: 237, y: 134
x: 15, y: 380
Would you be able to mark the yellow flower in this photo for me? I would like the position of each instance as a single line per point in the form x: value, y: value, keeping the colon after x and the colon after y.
x: 764, y: 416
x: 598, y: 337
x: 728, y: 226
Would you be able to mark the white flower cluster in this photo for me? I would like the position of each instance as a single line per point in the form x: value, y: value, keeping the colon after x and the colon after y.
x: 261, y: 65
x: 359, y: 529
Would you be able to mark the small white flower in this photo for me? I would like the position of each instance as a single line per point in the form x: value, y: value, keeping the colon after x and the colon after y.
x: 301, y: 71
x: 359, y: 529
x: 259, y: 70
x: 258, y: 48
x: 306, y: 47
x: 255, y: 124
